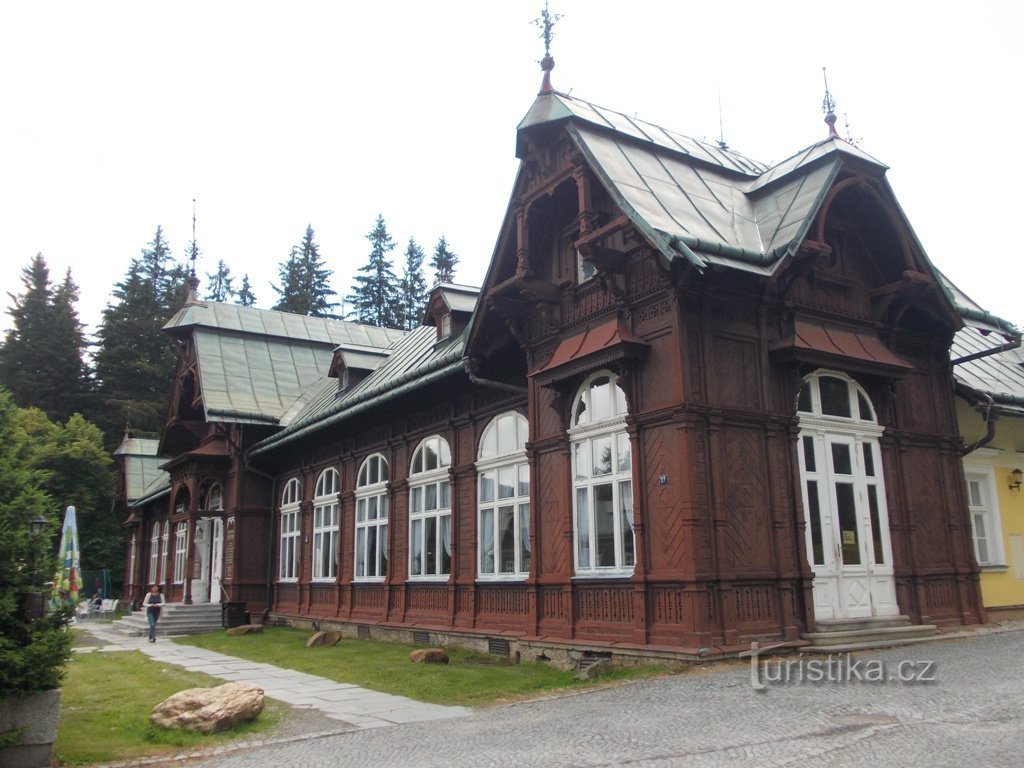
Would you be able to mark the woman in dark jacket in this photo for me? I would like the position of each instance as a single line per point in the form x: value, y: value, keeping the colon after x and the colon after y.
x: 152, y: 605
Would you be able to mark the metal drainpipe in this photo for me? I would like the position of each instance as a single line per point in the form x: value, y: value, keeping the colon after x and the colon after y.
x: 991, y: 416
x: 490, y: 382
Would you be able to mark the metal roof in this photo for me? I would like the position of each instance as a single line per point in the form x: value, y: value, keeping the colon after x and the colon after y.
x: 257, y: 365
x: 417, y: 359
x: 142, y: 473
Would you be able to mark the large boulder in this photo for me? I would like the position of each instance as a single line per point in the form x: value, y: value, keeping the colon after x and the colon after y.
x: 245, y: 629
x: 323, y: 639
x: 428, y: 656
x: 209, y: 710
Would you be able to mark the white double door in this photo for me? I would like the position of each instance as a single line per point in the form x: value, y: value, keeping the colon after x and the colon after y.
x: 209, y: 553
x: 847, y: 530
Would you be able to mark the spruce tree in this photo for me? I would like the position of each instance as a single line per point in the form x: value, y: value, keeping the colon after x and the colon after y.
x: 245, y: 297
x: 42, y: 360
x: 414, y: 286
x: 443, y: 263
x: 376, y: 298
x: 219, y: 284
x: 305, y: 281
x: 135, y: 361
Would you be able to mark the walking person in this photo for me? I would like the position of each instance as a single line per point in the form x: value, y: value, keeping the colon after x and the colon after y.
x: 152, y: 604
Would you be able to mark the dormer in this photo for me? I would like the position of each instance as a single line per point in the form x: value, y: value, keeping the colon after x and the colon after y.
x: 449, y: 309
x: 352, y: 364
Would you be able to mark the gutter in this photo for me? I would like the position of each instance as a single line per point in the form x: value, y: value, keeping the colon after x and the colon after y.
x: 731, y: 251
x: 989, y: 412
x: 469, y: 365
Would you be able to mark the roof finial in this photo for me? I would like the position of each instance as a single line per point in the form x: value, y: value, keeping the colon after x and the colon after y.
x: 828, y: 106
x: 193, y: 254
x: 546, y: 21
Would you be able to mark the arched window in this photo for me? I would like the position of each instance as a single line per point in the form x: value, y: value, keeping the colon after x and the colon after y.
x: 289, y: 558
x: 215, y: 498
x: 602, y: 479
x: 164, y: 543
x: 372, y: 518
x: 180, y: 551
x: 503, y: 491
x: 430, y: 510
x: 154, y: 554
x: 325, y: 526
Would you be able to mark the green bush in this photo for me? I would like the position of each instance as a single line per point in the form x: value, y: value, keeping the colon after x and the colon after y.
x: 32, y: 651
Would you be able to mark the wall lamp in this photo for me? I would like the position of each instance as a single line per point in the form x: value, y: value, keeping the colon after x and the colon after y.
x: 1016, y: 478
x: 37, y: 525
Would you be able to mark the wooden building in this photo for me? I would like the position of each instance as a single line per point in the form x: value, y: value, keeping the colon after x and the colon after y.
x: 699, y: 401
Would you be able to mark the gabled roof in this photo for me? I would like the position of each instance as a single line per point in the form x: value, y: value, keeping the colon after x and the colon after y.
x: 457, y: 298
x: 418, y: 359
x: 256, y: 364
x: 697, y: 201
x: 142, y: 470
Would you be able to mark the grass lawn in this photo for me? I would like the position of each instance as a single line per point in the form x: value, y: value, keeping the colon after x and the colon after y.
x: 106, y: 699
x: 469, y: 679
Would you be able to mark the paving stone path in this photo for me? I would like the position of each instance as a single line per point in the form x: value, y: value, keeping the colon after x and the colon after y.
x: 358, y: 707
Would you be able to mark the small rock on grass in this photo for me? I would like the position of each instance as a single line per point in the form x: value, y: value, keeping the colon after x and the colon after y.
x: 428, y: 656
x: 323, y: 639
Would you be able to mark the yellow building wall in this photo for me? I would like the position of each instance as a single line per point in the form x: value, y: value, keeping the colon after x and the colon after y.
x: 1001, y: 586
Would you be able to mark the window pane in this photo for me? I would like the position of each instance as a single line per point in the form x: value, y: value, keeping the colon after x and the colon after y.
x: 371, y: 550
x: 847, y: 512
x: 604, y: 525
x: 382, y: 546
x: 814, y: 520
x: 506, y: 482
x: 524, y: 480
x: 360, y: 510
x: 601, y: 399
x: 382, y: 508
x: 487, y: 486
x: 361, y: 552
x: 583, y: 527
x: 869, y: 460
x: 975, y: 493
x: 430, y: 541
x: 430, y: 497
x: 416, y: 540
x: 445, y: 544
x: 876, y: 526
x: 980, y: 540
x: 582, y: 452
x: 622, y: 452
x: 446, y: 454
x: 446, y: 495
x: 487, y: 541
x: 371, y: 508
x: 506, y: 434
x: 507, y: 539
x: 620, y: 401
x: 803, y: 402
x: 602, y: 455
x: 842, y: 463
x: 864, y: 407
x: 627, y: 556
x: 809, y: 463
x: 524, y: 537
x: 430, y: 459
x: 835, y: 396
x: 416, y: 500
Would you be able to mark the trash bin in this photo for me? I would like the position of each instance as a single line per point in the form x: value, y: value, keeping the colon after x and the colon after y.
x: 233, y: 615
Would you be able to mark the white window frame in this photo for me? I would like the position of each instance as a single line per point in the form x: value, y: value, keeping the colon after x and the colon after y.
x: 502, y: 468
x: 154, y: 555
x: 371, y: 526
x: 214, y: 498
x: 288, y: 559
x: 599, y: 421
x: 180, y: 551
x: 326, y: 517
x: 133, y: 552
x: 430, y: 476
x: 984, y: 508
x: 164, y: 545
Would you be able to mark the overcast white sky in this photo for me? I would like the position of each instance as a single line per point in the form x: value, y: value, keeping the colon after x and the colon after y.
x: 115, y: 115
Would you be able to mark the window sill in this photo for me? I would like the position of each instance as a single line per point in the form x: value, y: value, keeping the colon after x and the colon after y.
x: 602, y: 575
x: 328, y: 580
x: 994, y: 568
x: 427, y: 579
x: 368, y: 580
x: 502, y: 579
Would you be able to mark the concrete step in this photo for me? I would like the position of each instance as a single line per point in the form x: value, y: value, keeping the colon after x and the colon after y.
x: 842, y: 636
x: 175, y: 619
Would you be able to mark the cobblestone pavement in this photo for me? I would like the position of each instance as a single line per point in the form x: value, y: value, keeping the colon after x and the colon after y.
x: 969, y: 714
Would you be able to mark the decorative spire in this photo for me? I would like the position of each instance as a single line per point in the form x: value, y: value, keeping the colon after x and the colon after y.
x: 828, y: 106
x: 193, y: 281
x: 546, y: 22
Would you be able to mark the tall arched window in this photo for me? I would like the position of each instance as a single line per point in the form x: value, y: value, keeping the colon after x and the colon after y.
x: 602, y: 479
x: 503, y: 491
x: 164, y: 544
x: 180, y: 551
x: 291, y: 498
x: 430, y: 510
x: 372, y: 519
x: 154, y: 555
x: 325, y: 526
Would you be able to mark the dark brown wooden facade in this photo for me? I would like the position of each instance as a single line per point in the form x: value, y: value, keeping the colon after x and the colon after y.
x: 711, y: 353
